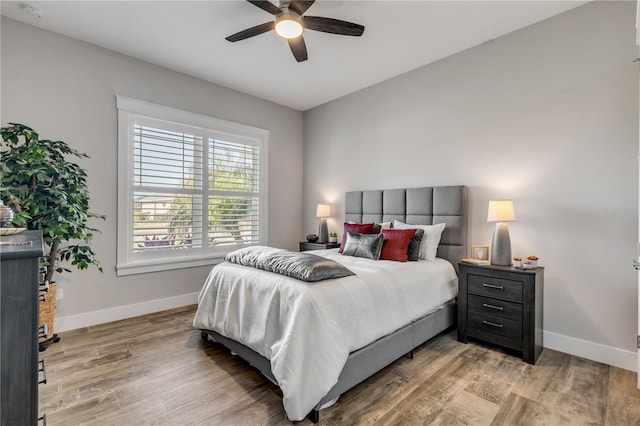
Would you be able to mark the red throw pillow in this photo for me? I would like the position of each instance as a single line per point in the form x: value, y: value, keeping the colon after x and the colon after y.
x: 358, y: 228
x: 396, y: 244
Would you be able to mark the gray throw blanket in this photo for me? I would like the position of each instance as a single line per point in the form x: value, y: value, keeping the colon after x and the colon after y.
x: 302, y: 266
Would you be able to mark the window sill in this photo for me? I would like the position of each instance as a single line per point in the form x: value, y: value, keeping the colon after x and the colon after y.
x: 158, y: 265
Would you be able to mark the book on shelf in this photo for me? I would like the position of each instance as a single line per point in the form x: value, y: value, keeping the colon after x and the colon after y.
x: 477, y: 262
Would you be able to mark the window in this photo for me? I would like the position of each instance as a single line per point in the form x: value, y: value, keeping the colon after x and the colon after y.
x: 191, y: 188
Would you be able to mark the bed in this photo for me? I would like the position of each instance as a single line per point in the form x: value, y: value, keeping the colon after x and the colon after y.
x: 322, y: 352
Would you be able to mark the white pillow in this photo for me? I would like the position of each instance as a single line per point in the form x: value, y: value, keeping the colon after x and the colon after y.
x: 430, y: 241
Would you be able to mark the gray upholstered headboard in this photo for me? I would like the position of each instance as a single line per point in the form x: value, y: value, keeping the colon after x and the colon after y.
x: 418, y: 206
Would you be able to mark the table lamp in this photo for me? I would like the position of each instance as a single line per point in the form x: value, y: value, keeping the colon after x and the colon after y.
x: 500, y: 212
x: 323, y: 212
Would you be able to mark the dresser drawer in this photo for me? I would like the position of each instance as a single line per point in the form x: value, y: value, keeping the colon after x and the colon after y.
x: 495, y: 287
x: 496, y: 307
x: 495, y: 329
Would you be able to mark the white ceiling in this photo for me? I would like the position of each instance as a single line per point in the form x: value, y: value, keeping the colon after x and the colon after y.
x: 188, y: 36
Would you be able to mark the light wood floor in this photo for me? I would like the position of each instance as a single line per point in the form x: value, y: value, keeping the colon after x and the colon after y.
x: 156, y: 369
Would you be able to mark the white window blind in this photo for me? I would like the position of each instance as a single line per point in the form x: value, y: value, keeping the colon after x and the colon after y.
x: 234, y: 202
x: 194, y: 193
x: 168, y: 190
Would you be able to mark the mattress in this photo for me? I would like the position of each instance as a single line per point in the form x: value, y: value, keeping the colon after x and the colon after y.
x: 307, y: 330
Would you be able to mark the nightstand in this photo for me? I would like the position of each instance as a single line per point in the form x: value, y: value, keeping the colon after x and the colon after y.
x: 502, y: 305
x: 305, y: 245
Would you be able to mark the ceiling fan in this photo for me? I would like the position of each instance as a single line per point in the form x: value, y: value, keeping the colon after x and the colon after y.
x: 289, y: 24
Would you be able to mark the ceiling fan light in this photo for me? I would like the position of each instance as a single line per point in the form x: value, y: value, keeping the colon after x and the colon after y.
x: 288, y: 26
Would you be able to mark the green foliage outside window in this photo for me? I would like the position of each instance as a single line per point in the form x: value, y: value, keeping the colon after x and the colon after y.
x: 227, y: 213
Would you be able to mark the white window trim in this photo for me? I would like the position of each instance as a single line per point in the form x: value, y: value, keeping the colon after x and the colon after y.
x: 126, y: 107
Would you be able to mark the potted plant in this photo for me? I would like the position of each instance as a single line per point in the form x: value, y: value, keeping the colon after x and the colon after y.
x: 53, y: 197
x: 333, y: 237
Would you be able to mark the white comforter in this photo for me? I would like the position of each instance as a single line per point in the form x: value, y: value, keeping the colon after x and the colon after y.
x: 307, y: 330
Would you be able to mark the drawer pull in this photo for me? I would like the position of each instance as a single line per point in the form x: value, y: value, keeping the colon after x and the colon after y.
x: 43, y: 331
x: 497, y: 308
x: 497, y: 287
x: 43, y: 369
x: 492, y: 324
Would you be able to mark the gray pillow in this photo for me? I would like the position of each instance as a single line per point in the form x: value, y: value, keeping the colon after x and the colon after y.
x: 414, y: 245
x: 368, y: 246
x: 303, y: 266
x: 378, y: 227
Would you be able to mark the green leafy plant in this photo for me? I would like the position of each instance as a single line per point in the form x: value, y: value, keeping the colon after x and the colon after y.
x: 333, y: 235
x: 52, y: 193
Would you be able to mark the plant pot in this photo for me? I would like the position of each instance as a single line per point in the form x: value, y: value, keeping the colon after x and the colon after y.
x: 333, y: 239
x: 48, y: 316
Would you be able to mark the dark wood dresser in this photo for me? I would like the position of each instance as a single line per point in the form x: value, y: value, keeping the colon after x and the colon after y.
x: 19, y: 329
x: 502, y: 305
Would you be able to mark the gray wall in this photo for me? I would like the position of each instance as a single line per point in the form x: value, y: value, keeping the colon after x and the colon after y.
x: 546, y: 116
x: 65, y: 90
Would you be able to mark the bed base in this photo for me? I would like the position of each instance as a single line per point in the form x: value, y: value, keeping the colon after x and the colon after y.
x: 364, y: 362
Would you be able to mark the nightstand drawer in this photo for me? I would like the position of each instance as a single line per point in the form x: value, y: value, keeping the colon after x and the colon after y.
x: 495, y: 287
x: 495, y: 307
x: 496, y: 330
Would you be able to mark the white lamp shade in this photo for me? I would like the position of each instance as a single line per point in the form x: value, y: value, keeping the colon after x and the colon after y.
x: 501, y: 211
x: 323, y: 210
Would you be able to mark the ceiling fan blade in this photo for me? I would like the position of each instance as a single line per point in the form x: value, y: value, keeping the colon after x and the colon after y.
x: 301, y: 6
x: 267, y: 6
x: 298, y: 48
x: 333, y: 26
x: 253, y: 31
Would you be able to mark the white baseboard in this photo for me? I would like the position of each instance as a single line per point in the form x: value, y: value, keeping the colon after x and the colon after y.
x: 594, y: 351
x: 72, y: 322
